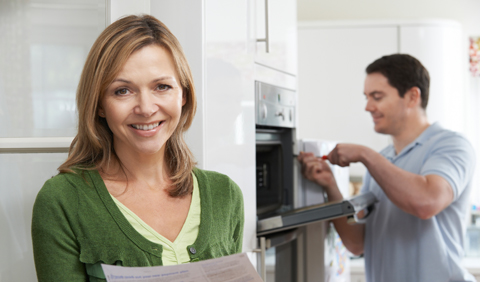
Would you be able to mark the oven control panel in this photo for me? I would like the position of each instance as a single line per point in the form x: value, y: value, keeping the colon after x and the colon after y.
x: 275, y: 106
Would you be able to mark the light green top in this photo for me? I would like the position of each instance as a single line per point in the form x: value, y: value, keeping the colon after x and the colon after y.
x: 173, y: 252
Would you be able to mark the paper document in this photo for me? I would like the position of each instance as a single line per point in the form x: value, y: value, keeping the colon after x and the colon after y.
x: 234, y: 268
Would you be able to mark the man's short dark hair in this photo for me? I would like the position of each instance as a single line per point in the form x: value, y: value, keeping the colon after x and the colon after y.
x: 403, y: 72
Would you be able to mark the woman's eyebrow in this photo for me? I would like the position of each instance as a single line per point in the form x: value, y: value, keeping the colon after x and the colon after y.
x: 121, y: 80
x: 156, y: 80
x: 164, y: 78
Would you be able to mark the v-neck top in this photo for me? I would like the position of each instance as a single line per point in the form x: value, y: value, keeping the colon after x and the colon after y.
x: 173, y: 252
x: 76, y: 227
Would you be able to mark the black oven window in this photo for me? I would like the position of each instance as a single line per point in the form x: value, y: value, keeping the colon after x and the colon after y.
x: 269, y: 177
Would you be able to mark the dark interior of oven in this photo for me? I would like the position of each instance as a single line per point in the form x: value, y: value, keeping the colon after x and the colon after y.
x: 274, y: 171
x: 269, y: 180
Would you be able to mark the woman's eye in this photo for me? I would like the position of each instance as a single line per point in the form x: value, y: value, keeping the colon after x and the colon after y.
x: 163, y: 87
x: 123, y: 91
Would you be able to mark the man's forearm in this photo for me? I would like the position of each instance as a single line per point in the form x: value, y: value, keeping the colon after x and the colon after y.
x: 352, y: 235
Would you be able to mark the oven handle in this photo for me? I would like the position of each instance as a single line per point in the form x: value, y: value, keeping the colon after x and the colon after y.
x: 273, y: 241
x: 267, y: 142
x: 262, y: 251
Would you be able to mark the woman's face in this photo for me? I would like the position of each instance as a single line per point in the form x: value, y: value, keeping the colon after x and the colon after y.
x: 144, y: 103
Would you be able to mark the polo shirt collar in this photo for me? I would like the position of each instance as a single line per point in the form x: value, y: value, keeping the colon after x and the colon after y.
x: 422, y: 138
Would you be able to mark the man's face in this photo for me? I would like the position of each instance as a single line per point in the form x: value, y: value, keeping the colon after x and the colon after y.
x: 387, y: 108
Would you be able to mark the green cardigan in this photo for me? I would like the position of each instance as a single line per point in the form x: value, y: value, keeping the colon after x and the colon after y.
x: 76, y: 226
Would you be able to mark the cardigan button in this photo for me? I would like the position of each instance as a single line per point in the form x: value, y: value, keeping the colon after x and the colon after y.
x: 192, y: 250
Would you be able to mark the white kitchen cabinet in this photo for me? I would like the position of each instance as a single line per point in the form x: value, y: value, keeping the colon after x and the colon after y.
x: 276, y: 34
x: 220, y: 50
x: 332, y: 60
x: 22, y: 177
x: 44, y: 47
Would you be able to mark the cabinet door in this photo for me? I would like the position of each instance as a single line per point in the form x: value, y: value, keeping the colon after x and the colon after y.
x: 332, y: 62
x: 276, y: 22
x: 22, y: 177
x: 229, y: 99
x: 219, y: 47
x: 42, y: 54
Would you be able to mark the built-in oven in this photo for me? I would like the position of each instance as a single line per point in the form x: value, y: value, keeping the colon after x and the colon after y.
x: 275, y: 132
x: 284, y: 225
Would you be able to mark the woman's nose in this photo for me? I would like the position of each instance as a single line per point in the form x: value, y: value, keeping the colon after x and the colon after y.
x: 146, y: 105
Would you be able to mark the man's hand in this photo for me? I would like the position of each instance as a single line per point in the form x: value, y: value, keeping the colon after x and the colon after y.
x: 344, y: 154
x: 317, y: 170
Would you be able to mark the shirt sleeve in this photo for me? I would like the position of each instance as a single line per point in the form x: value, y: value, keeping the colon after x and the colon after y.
x: 55, y: 248
x: 452, y: 158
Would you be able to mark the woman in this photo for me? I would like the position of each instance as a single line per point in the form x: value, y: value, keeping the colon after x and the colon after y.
x: 129, y: 193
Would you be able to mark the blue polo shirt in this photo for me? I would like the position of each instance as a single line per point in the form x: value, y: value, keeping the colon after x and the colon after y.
x: 401, y: 247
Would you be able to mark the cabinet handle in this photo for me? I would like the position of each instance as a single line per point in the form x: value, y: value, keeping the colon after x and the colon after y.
x: 266, y: 39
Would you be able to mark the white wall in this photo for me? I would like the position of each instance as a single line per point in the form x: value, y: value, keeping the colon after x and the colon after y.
x: 467, y: 12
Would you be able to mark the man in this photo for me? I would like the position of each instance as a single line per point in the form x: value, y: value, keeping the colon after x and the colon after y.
x: 421, y: 181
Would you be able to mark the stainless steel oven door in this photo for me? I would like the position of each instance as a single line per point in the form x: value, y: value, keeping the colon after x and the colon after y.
x: 304, y: 216
x: 283, y: 239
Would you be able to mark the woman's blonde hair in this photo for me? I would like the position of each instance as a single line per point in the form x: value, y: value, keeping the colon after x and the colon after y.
x: 92, y: 148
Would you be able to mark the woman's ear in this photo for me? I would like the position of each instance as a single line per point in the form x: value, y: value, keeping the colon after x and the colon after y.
x: 101, y: 112
x: 184, y: 98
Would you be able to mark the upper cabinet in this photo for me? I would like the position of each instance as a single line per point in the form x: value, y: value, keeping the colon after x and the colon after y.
x: 276, y: 33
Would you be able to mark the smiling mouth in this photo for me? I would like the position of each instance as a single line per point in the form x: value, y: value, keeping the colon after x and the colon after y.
x: 146, y: 126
